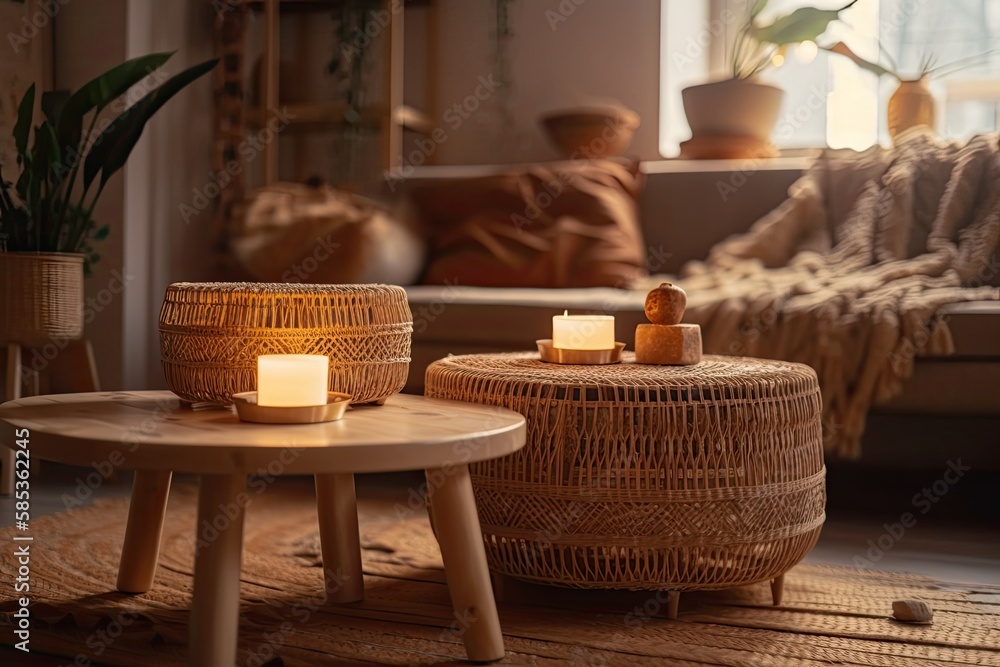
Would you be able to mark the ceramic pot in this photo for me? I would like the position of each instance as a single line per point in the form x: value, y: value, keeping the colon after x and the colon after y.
x: 732, y: 108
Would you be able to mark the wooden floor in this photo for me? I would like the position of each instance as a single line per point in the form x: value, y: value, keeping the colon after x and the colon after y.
x: 947, y: 543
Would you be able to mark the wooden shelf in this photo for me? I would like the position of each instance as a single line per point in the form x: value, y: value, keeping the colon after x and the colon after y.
x: 386, y: 121
x: 412, y: 119
x: 325, y: 114
x: 331, y: 115
x: 292, y: 6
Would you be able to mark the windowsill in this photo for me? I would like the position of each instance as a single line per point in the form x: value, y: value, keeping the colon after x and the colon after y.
x: 665, y: 166
x: 679, y: 166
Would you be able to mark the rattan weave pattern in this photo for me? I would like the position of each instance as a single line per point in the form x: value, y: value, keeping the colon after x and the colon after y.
x: 212, y: 333
x: 647, y: 477
x: 41, y: 297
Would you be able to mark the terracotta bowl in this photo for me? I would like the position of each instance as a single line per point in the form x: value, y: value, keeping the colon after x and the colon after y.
x: 591, y: 132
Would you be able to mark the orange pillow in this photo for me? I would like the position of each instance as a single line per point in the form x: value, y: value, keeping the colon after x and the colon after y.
x: 565, y: 224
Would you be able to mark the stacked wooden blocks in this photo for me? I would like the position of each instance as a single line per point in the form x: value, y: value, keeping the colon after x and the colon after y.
x: 666, y: 341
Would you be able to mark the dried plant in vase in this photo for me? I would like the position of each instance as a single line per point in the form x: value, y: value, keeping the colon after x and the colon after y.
x: 913, y: 103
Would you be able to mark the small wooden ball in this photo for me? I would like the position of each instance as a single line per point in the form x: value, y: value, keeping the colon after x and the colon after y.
x: 665, y: 304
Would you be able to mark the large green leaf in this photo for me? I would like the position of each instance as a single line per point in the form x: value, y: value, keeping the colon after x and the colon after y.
x: 101, y: 91
x: 803, y: 25
x: 758, y: 7
x: 52, y: 104
x: 115, y: 143
x: 48, y: 152
x: 22, y: 127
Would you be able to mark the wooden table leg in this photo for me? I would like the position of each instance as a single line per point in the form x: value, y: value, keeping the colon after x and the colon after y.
x: 777, y: 589
x: 141, y: 549
x: 13, y: 392
x: 337, y: 508
x: 458, y: 533
x: 214, y: 629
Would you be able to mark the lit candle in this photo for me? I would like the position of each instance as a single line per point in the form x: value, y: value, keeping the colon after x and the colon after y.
x: 583, y: 332
x: 292, y: 380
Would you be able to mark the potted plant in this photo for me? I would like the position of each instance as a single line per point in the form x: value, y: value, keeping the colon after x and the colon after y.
x: 912, y: 104
x: 46, y: 221
x: 740, y: 112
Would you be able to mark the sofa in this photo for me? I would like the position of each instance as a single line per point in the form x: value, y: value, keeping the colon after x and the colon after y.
x: 950, y: 404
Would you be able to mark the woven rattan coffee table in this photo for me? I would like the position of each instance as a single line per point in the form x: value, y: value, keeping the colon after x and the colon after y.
x: 647, y: 477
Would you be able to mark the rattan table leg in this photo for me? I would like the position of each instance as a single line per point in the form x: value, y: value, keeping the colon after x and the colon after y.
x: 214, y: 628
x: 673, y: 601
x: 512, y: 590
x: 459, y: 535
x: 337, y: 508
x: 141, y: 548
x: 777, y: 589
x: 13, y: 392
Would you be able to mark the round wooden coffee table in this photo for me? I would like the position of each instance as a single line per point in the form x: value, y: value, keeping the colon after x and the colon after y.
x: 152, y: 433
x: 647, y: 477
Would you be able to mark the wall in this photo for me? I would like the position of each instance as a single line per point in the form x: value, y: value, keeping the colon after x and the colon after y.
x: 169, y: 169
x: 560, y: 53
x: 77, y: 58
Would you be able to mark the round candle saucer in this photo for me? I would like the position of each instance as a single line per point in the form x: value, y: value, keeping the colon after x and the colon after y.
x: 557, y: 355
x: 249, y: 411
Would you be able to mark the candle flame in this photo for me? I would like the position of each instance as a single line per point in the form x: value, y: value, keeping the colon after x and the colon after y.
x: 565, y: 313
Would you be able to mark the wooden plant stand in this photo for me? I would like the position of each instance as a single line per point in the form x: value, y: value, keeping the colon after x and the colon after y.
x: 71, y: 370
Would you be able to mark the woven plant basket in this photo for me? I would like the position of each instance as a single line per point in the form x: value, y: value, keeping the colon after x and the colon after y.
x: 212, y: 333
x: 647, y: 477
x: 41, y: 297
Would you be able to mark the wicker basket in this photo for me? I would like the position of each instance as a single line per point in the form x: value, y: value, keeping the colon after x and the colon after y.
x: 41, y: 297
x: 647, y: 477
x: 212, y: 333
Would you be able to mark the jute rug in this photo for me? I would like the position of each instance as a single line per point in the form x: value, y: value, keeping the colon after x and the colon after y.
x: 829, y: 616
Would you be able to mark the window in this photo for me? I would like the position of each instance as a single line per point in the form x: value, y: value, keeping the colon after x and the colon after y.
x: 829, y: 101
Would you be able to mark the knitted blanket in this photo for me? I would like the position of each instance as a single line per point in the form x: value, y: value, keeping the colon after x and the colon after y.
x: 848, y: 274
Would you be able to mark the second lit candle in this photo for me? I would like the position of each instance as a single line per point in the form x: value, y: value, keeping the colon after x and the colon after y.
x: 583, y: 332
